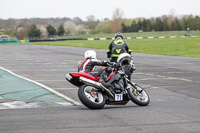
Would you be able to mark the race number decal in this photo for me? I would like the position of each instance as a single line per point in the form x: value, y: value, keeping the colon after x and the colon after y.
x: 118, y: 97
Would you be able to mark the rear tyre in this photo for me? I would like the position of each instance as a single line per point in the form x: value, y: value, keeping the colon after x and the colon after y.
x: 127, y: 70
x: 91, y: 97
x: 138, y: 95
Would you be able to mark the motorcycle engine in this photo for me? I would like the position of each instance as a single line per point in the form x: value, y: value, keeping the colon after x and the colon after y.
x: 118, y: 87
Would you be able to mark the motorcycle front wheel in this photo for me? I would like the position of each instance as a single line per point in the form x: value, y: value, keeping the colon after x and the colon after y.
x: 138, y: 95
x: 91, y: 97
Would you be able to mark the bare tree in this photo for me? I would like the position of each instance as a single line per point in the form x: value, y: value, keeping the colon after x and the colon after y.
x: 69, y: 27
x: 117, y: 14
x: 72, y: 28
x: 22, y: 33
x: 43, y: 30
x: 116, y: 21
x: 92, y: 22
x: 90, y: 18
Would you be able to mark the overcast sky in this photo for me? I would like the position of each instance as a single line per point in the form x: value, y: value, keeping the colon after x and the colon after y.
x: 99, y: 8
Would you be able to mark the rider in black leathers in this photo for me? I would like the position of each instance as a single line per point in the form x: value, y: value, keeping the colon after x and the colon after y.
x: 117, y: 46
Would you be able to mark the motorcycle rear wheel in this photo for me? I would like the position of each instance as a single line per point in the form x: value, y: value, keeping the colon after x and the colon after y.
x: 139, y: 96
x: 91, y: 97
x: 127, y: 70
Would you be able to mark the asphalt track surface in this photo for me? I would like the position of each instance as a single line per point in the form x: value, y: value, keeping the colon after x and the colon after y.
x: 172, y: 83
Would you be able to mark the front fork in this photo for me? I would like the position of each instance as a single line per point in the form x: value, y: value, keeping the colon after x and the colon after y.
x: 130, y: 84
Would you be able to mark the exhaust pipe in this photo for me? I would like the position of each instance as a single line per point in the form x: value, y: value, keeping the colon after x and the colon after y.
x: 95, y: 84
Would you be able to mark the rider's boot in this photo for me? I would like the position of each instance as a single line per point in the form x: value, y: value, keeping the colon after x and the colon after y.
x: 102, y: 80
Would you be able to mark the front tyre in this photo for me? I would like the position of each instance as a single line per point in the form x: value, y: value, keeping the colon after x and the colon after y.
x: 138, y: 95
x: 91, y: 97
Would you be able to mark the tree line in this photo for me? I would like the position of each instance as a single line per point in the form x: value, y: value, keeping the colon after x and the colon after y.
x: 34, y: 33
x: 164, y: 23
x: 48, y: 28
x: 117, y: 24
x: 41, y: 28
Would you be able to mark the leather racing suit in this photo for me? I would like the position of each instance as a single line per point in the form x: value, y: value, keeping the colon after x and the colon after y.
x: 88, y: 66
x: 117, y: 47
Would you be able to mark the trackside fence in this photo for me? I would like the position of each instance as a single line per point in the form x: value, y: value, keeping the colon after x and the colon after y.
x: 91, y: 39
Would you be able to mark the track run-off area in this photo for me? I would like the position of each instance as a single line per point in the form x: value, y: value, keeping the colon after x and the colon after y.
x: 35, y: 97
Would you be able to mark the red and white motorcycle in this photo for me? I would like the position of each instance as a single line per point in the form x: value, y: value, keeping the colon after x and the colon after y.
x: 94, y: 95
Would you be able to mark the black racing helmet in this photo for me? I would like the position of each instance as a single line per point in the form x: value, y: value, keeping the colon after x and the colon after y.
x: 118, y: 35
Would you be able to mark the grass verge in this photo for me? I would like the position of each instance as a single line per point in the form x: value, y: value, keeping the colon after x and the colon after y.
x: 188, y: 47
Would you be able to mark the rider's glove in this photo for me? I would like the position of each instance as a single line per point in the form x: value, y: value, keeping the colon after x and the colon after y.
x: 106, y: 62
x: 110, y: 63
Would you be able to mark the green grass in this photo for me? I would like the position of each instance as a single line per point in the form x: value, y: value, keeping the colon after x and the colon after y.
x: 189, y: 47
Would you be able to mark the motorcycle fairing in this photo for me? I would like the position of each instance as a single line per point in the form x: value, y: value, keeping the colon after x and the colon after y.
x: 125, y: 100
x: 88, y: 76
x: 73, y: 78
x: 118, y: 103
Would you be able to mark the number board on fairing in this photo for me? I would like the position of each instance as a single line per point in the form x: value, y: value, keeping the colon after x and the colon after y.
x: 118, y: 97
